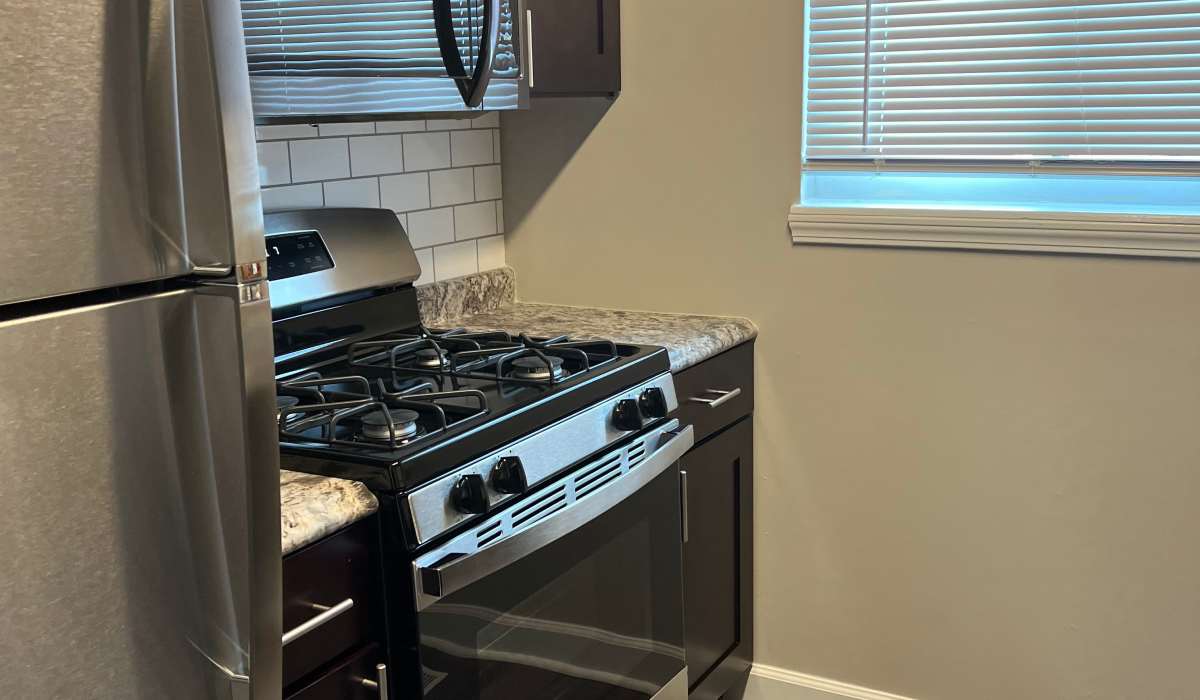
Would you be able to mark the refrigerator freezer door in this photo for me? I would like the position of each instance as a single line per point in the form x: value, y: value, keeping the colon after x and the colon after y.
x: 140, y: 500
x: 119, y: 165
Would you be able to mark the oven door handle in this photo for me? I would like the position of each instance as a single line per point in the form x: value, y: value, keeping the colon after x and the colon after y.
x: 438, y: 580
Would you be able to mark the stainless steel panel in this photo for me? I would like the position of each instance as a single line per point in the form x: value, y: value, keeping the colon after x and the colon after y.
x: 369, y: 249
x: 91, y: 192
x: 140, y: 499
x: 220, y: 157
x: 543, y: 454
x: 128, y: 145
x: 572, y: 508
x: 295, y: 98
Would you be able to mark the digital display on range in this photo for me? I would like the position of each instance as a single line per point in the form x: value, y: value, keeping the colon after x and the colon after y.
x: 292, y: 254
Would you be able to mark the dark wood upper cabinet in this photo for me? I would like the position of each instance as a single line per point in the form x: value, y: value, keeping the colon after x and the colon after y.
x: 576, y: 47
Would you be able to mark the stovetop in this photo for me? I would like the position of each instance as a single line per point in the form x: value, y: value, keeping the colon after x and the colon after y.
x: 400, y: 408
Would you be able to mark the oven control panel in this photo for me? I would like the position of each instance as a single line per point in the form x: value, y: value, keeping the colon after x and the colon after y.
x: 493, y: 480
x: 292, y: 254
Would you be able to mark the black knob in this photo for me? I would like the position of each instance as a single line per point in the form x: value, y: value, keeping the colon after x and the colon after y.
x: 469, y: 495
x: 653, y: 403
x: 508, y: 476
x: 627, y: 415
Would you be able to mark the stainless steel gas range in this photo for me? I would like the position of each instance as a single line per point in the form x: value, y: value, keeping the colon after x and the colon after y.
x: 528, y: 487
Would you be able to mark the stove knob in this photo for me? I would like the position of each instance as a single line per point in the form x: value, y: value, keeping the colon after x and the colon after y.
x: 627, y: 415
x: 469, y: 495
x: 653, y: 403
x: 508, y: 476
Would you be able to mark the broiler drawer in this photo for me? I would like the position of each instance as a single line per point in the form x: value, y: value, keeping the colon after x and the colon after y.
x: 718, y: 391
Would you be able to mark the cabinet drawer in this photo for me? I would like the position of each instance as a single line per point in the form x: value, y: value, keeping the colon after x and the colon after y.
x: 356, y: 678
x: 320, y: 579
x: 698, y: 387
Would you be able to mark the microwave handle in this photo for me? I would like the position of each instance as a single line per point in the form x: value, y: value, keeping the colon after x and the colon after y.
x: 472, y: 86
x: 437, y: 581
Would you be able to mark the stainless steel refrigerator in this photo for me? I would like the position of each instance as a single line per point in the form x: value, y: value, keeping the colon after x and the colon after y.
x: 139, y: 487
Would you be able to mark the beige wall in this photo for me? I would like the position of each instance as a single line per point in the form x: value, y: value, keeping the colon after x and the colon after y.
x: 976, y: 472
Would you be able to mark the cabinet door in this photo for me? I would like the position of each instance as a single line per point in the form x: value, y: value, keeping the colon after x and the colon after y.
x: 718, y: 560
x: 576, y: 46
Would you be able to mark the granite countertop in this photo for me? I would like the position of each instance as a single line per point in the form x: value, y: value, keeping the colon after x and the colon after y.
x: 486, y: 301
x: 312, y: 507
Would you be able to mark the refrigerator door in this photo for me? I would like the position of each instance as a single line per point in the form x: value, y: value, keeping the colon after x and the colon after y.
x: 127, y: 154
x: 140, y: 500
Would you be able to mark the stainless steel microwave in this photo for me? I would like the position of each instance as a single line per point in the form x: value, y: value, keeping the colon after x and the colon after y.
x: 317, y: 59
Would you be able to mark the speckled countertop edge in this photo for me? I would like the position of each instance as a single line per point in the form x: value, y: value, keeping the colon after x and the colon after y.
x: 487, y: 301
x: 311, y: 507
x: 688, y: 338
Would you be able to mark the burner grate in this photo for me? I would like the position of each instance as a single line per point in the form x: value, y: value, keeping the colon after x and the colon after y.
x: 344, y: 411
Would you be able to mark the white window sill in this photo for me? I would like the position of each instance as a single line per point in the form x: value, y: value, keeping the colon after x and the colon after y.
x: 1096, y: 234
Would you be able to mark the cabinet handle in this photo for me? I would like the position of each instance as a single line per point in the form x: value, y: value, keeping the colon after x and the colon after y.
x: 310, y: 625
x: 683, y: 502
x: 723, y: 396
x: 380, y: 683
x: 529, y: 45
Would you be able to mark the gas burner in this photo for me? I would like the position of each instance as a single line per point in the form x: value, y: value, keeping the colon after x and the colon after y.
x: 403, y: 424
x: 431, y: 358
x: 538, y: 367
x: 285, y: 402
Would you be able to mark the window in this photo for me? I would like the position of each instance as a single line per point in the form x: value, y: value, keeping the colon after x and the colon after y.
x: 1069, y: 125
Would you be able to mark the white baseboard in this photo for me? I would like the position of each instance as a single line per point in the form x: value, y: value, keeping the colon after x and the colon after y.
x: 772, y: 683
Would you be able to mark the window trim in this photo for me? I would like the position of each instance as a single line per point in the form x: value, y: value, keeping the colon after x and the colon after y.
x: 977, y: 229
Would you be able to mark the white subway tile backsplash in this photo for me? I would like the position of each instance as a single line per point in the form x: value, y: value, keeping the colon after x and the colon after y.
x: 320, y: 159
x: 491, y: 120
x: 285, y: 131
x: 471, y: 147
x: 273, y: 167
x: 430, y: 227
x: 427, y: 151
x: 425, y: 258
x: 441, y: 177
x: 292, y: 197
x: 399, y: 126
x: 455, y: 260
x: 347, y: 128
x: 475, y: 220
x: 447, y: 124
x: 377, y: 155
x: 491, y: 252
x: 404, y: 192
x: 363, y: 192
x: 451, y: 187
x: 487, y: 182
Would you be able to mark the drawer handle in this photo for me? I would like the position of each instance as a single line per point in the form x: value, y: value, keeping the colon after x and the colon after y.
x: 380, y: 683
x: 310, y: 625
x: 724, y: 395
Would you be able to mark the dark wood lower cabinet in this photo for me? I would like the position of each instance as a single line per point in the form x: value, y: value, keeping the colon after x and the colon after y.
x: 718, y: 561
x: 716, y: 397
x: 355, y: 677
x: 331, y: 588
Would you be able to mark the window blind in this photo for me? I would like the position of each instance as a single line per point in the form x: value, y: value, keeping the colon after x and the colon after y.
x: 1071, y: 80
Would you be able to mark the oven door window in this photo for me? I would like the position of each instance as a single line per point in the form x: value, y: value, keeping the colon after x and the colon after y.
x: 594, y: 614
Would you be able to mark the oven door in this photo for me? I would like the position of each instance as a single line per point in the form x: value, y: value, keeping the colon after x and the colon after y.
x: 574, y: 592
